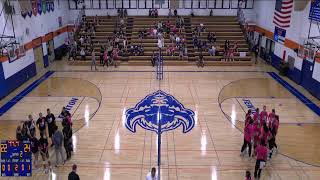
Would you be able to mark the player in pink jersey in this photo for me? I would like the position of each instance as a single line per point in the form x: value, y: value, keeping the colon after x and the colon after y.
x: 248, y: 175
x: 262, y: 153
x: 273, y: 133
x: 265, y: 133
x: 256, y: 136
x: 264, y: 115
x: 271, y: 117
x: 248, y: 117
x: 248, y: 132
x: 256, y: 116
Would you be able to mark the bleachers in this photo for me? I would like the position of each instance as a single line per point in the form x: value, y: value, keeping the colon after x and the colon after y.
x: 225, y: 28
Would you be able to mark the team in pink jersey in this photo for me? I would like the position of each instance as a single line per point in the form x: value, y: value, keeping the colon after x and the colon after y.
x: 260, y: 131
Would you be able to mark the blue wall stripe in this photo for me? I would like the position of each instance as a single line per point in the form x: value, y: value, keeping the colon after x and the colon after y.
x: 25, y: 92
x: 296, y: 93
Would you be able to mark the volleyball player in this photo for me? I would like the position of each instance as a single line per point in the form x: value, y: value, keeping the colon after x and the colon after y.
x: 43, y: 144
x: 67, y: 139
x: 31, y: 125
x: 248, y: 132
x: 51, y: 120
x: 264, y: 115
x: 262, y: 153
x: 257, y: 117
x: 271, y: 117
x: 35, y: 149
x: 41, y: 123
x: 256, y: 136
x: 273, y: 131
x: 248, y: 117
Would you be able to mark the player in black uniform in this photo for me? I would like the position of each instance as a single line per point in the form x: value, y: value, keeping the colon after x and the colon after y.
x: 67, y: 134
x: 43, y: 144
x: 41, y: 123
x: 35, y: 149
x: 51, y: 120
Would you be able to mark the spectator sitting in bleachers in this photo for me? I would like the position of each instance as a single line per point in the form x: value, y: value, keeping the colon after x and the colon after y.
x: 210, y: 37
x: 83, y: 54
x: 140, y: 50
x: 181, y: 52
x: 170, y: 50
x: 81, y: 40
x: 175, y: 12
x: 212, y: 50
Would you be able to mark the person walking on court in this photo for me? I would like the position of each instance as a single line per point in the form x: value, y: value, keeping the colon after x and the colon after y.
x: 256, y: 53
x: 93, y: 60
x: 57, y: 141
x: 262, y: 153
x: 248, y: 133
x: 73, y: 174
x: 152, y: 175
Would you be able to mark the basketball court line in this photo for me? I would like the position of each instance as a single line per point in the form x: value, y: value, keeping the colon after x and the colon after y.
x: 293, y: 123
x: 182, y: 71
x: 8, y: 105
x: 296, y: 93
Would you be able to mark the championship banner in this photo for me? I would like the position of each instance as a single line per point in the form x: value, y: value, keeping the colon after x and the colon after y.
x: 315, y: 10
x: 34, y: 7
x: 279, y: 35
x: 39, y: 7
x: 44, y: 6
x: 25, y: 8
x: 52, y: 6
x: 48, y: 6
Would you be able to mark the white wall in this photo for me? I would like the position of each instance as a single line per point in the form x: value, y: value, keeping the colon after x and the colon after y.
x: 10, y: 69
x: 38, y: 26
x: 316, y: 71
x: 297, y: 31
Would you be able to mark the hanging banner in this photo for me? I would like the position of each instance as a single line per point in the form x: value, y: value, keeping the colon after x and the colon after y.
x: 44, y: 6
x: 39, y: 7
x: 34, y: 7
x: 52, y: 6
x: 315, y: 10
x: 48, y: 4
x: 279, y: 35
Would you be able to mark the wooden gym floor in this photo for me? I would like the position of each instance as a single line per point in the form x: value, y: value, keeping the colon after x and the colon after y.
x: 105, y: 149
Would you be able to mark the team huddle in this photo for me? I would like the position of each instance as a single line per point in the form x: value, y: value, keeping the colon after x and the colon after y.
x: 40, y: 146
x: 260, y: 131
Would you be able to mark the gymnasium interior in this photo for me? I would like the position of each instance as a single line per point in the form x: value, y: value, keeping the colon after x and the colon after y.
x: 160, y: 89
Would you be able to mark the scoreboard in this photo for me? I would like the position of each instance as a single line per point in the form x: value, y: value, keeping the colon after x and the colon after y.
x: 16, y: 158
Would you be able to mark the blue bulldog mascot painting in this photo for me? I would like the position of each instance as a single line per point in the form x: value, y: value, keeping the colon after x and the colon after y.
x: 159, y: 106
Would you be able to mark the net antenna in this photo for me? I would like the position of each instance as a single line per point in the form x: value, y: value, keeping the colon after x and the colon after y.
x: 8, y: 41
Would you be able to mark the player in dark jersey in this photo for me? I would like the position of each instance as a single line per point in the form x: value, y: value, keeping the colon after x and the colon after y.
x: 51, y: 121
x: 31, y: 125
x: 43, y: 144
x: 41, y: 124
x: 35, y: 149
x: 67, y: 141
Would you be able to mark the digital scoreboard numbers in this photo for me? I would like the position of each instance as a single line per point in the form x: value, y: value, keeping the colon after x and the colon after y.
x: 16, y: 158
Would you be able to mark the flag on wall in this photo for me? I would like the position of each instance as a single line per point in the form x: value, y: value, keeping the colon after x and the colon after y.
x: 279, y: 35
x: 282, y: 13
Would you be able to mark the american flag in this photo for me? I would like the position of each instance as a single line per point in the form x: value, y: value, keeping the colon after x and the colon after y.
x: 282, y: 13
